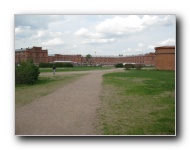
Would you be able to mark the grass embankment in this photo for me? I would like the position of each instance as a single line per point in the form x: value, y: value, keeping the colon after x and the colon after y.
x: 45, y: 85
x: 138, y: 103
x: 75, y: 68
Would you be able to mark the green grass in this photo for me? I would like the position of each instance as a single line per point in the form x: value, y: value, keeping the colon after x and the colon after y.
x: 138, y: 103
x: 76, y: 68
x: 25, y: 94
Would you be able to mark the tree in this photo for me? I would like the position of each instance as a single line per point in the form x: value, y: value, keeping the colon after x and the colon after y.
x: 26, y: 73
x: 88, y: 58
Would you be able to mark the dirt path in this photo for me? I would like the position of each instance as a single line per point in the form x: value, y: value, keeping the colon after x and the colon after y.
x: 71, y: 110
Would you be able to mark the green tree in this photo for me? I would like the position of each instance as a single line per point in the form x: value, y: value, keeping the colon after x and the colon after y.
x: 88, y: 58
x: 26, y: 73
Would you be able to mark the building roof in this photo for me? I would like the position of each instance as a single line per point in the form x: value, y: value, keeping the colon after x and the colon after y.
x: 22, y: 49
x: 164, y: 47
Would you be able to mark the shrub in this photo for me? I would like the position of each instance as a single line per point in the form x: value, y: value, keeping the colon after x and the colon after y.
x: 129, y: 66
x: 119, y: 65
x: 26, y: 72
x: 46, y: 65
x: 138, y: 66
x: 50, y: 65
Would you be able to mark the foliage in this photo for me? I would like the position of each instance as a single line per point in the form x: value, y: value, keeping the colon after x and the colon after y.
x: 138, y: 66
x: 50, y: 65
x: 26, y: 72
x: 76, y: 68
x: 119, y: 65
x: 88, y: 58
x: 129, y: 66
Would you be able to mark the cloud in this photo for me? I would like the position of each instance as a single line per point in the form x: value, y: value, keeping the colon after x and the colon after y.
x: 37, y: 21
x: 120, y: 25
x: 92, y: 38
x: 130, y: 33
x: 23, y: 32
x: 53, y: 42
x: 98, y: 41
x: 140, y: 45
x: 152, y: 20
x: 83, y: 32
x: 127, y: 50
x: 167, y: 42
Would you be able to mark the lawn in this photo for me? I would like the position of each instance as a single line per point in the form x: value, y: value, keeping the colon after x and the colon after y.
x: 25, y: 94
x: 138, y: 102
x: 75, y: 68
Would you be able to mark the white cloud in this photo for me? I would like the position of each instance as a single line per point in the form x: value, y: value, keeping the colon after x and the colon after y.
x: 85, y: 33
x: 82, y: 32
x: 55, y: 34
x: 39, y: 34
x: 131, y: 24
x: 168, y: 20
x: 151, y: 46
x: 74, y: 46
x: 151, y: 20
x: 141, y: 45
x: 53, y: 42
x: 18, y: 30
x: 120, y: 25
x: 167, y: 42
x: 148, y: 20
x: 92, y: 38
x: 98, y: 41
x: 127, y: 50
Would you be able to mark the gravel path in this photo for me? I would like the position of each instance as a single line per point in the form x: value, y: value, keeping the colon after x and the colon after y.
x: 71, y: 110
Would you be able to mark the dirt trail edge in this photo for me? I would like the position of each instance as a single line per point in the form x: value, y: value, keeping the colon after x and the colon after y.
x: 71, y: 110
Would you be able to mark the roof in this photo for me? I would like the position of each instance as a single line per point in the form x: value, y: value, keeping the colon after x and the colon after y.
x: 165, y: 47
x: 22, y: 49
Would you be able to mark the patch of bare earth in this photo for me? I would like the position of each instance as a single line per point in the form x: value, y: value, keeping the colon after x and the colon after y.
x: 71, y: 110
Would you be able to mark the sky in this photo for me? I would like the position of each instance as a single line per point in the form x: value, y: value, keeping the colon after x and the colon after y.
x: 95, y: 34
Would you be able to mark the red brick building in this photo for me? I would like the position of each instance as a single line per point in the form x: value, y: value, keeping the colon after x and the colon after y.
x: 147, y: 59
x: 165, y: 58
x: 59, y: 57
x: 38, y: 55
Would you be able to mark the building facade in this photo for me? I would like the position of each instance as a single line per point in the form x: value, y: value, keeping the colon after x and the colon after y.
x: 36, y: 53
x: 165, y: 58
x: 39, y: 55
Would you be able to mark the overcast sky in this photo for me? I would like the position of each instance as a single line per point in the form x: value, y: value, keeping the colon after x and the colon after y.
x: 95, y: 34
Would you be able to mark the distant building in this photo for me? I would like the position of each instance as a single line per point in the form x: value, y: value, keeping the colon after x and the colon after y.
x: 39, y: 55
x: 36, y: 53
x: 165, y: 58
x: 59, y: 57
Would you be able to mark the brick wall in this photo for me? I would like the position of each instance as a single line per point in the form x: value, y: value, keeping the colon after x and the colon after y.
x: 165, y: 58
x: 38, y: 55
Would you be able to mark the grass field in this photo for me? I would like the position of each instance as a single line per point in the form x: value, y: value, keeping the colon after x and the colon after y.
x: 138, y: 103
x: 25, y: 94
x: 76, y: 68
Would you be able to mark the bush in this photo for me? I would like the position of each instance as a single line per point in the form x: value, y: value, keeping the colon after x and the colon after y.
x: 119, y: 65
x: 26, y: 72
x: 45, y: 65
x: 50, y: 65
x: 138, y: 66
x: 129, y: 66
